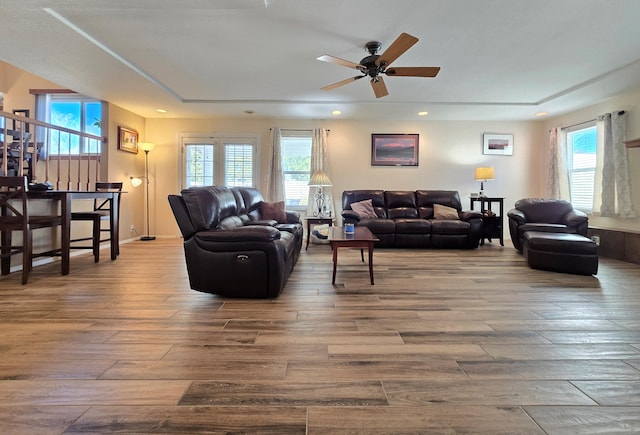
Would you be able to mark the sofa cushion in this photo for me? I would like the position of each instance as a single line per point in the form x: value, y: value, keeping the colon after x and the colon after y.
x: 401, y: 204
x: 426, y: 199
x: 273, y: 211
x: 446, y: 226
x: 545, y: 228
x: 379, y: 225
x: 550, y: 211
x: 376, y: 196
x: 364, y: 209
x: 443, y: 212
x: 413, y: 226
x: 205, y: 205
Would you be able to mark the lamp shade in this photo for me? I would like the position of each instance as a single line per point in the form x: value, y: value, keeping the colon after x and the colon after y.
x: 320, y: 178
x: 146, y: 146
x: 485, y: 173
x: 136, y: 181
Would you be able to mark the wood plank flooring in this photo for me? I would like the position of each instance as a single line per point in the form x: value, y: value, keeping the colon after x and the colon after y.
x: 445, y: 342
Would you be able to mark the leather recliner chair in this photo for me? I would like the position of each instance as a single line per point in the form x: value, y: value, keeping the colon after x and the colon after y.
x: 544, y: 215
x: 230, y: 248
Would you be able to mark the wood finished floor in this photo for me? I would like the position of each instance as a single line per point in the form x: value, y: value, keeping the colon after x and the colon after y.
x: 445, y: 342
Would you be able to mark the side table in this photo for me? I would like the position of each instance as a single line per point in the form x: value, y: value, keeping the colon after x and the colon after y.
x: 316, y: 221
x: 492, y: 225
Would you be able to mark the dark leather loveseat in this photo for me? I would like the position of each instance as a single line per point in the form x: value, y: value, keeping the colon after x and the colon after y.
x: 230, y: 248
x: 406, y: 219
x: 544, y: 216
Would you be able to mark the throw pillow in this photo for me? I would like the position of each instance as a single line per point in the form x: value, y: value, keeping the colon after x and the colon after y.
x: 444, y: 212
x: 364, y: 209
x: 273, y: 211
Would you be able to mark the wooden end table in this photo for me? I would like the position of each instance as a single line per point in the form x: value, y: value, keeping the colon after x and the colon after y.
x: 316, y: 221
x: 361, y: 238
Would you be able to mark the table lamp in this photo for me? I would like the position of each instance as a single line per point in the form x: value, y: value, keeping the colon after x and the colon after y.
x: 319, y: 179
x: 484, y: 174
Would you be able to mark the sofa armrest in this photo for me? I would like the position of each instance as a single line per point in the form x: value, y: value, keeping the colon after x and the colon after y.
x: 578, y: 221
x: 249, y: 233
x: 293, y: 217
x: 575, y: 218
x: 350, y: 217
x: 517, y: 216
x: 467, y: 215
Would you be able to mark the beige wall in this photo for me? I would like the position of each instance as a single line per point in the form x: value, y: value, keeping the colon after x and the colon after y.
x: 449, y: 153
x: 122, y: 165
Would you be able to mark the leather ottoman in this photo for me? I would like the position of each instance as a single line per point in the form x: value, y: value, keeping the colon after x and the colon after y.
x: 560, y: 252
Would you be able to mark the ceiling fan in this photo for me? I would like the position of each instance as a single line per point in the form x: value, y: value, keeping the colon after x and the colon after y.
x: 376, y: 64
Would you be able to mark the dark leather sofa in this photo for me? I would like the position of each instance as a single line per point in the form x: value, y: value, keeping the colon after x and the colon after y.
x: 405, y: 219
x: 544, y: 216
x: 229, y: 248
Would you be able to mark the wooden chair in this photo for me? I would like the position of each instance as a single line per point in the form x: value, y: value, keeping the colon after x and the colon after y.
x: 102, y: 209
x: 14, y: 216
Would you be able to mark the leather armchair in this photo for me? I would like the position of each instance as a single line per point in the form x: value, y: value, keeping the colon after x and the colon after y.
x: 544, y: 215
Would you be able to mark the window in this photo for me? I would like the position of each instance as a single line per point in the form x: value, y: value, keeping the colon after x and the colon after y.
x: 581, y: 149
x: 74, y: 112
x: 296, y: 166
x: 209, y: 161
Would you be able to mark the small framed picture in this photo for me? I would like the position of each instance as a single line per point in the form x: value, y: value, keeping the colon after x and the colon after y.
x: 394, y: 150
x: 498, y: 144
x: 127, y: 140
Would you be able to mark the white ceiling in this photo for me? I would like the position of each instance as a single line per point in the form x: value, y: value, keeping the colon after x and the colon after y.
x: 500, y: 59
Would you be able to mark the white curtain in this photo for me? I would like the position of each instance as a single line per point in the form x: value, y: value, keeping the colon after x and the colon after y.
x: 320, y: 162
x: 558, y: 178
x: 275, y: 175
x: 616, y: 185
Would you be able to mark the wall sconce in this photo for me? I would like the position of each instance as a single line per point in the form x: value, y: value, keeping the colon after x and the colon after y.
x: 137, y: 181
x: 319, y: 179
x: 484, y: 174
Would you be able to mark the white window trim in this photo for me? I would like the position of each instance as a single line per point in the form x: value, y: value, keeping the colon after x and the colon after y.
x: 186, y: 138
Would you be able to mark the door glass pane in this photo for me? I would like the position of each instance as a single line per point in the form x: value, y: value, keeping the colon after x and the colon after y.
x: 238, y: 160
x: 199, y: 165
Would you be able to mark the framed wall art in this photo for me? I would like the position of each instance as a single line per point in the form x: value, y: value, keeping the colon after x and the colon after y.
x: 127, y: 140
x: 498, y: 144
x: 394, y: 150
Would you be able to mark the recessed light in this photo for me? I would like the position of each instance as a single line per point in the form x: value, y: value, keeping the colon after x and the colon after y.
x: 161, y: 110
x: 542, y: 113
x: 336, y: 112
x: 423, y: 113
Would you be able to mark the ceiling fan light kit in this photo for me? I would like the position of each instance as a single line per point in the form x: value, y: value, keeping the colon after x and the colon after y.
x: 375, y: 64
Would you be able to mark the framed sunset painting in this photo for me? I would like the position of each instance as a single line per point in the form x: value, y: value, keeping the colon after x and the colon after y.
x: 394, y: 150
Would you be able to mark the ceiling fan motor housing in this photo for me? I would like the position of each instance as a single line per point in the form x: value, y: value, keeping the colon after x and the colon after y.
x: 369, y: 66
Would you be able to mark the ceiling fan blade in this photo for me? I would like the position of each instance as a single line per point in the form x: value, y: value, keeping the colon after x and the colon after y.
x: 341, y: 83
x: 414, y: 71
x: 379, y: 88
x: 338, y: 61
x: 399, y: 46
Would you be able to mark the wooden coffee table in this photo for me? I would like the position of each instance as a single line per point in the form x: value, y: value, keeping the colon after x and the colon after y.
x: 361, y: 238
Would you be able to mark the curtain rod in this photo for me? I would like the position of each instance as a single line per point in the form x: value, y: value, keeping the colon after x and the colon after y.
x: 621, y: 112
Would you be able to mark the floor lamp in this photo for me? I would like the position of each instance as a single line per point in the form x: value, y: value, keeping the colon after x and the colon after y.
x: 137, y: 181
